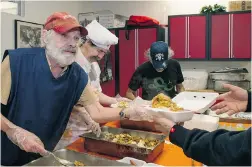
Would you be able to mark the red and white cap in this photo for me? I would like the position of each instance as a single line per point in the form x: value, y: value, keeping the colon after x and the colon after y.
x: 62, y: 22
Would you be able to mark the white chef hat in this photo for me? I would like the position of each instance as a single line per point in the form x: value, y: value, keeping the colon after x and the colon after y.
x: 100, y: 36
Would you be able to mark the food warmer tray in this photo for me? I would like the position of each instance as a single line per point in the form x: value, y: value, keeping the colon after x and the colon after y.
x: 100, y: 145
x: 138, y: 125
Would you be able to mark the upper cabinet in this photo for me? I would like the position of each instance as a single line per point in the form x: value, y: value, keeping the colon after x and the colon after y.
x: 241, y: 35
x: 216, y: 36
x: 230, y: 36
x: 187, y: 36
x: 219, y: 37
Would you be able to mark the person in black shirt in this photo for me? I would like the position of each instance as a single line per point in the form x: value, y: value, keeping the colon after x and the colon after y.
x: 220, y: 147
x: 160, y: 74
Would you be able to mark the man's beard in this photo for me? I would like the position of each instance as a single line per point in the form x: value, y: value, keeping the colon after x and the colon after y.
x: 62, y: 58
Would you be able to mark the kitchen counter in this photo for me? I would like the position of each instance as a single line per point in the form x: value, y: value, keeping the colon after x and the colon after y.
x: 206, y: 90
x: 201, y: 90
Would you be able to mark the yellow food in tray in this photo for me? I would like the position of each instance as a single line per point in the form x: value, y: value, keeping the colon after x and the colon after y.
x: 163, y: 101
x: 78, y: 163
x: 125, y: 138
x: 123, y: 104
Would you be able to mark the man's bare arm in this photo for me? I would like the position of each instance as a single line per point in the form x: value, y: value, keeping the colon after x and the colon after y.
x: 130, y: 94
x: 106, y: 100
x: 102, y: 114
x: 180, y: 88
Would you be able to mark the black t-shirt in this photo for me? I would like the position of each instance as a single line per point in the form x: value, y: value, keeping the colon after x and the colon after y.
x: 153, y: 82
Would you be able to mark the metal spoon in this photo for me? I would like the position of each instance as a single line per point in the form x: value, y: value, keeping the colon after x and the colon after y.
x: 62, y: 161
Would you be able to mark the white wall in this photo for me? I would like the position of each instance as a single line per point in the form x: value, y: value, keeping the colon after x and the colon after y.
x: 160, y: 10
x: 39, y: 10
x: 35, y: 11
x: 156, y: 9
x: 191, y: 6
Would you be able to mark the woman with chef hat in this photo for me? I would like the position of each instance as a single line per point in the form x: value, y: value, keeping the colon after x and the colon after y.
x: 93, y: 48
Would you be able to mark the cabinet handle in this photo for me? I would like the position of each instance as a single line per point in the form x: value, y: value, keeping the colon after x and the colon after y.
x: 232, y: 35
x: 188, y: 38
x: 229, y: 36
x: 189, y: 56
x: 185, y: 37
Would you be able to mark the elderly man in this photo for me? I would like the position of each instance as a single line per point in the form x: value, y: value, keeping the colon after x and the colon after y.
x: 160, y: 74
x: 93, y: 47
x: 39, y: 89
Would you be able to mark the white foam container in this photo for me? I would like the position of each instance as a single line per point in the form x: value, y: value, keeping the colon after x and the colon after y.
x: 152, y: 164
x: 197, y: 102
x: 192, y: 102
x: 195, y: 79
x: 179, y: 116
x: 204, y: 122
x: 136, y: 161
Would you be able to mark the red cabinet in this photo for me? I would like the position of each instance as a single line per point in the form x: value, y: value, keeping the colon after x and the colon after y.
x: 131, y: 52
x: 241, y: 39
x: 127, y: 59
x: 222, y: 36
x: 108, y: 88
x: 187, y: 36
x: 145, y: 37
x: 197, y: 37
x: 177, y: 38
x: 220, y: 39
x: 231, y: 36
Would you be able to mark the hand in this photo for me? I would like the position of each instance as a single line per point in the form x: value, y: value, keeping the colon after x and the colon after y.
x: 164, y: 125
x: 232, y: 102
x: 26, y: 140
x: 91, y: 124
x: 235, y: 93
x: 95, y: 128
x: 138, y: 114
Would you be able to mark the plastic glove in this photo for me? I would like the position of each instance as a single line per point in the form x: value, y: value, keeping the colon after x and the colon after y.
x: 91, y: 124
x: 26, y: 140
x: 162, y: 124
x: 138, y: 114
x: 95, y: 128
x: 118, y: 99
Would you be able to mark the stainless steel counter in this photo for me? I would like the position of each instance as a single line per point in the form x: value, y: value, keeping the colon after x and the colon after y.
x: 72, y: 156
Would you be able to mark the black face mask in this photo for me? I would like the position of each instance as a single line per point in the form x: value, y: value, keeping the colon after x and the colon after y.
x: 160, y: 69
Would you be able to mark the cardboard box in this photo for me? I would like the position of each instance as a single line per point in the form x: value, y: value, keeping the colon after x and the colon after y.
x: 239, y: 5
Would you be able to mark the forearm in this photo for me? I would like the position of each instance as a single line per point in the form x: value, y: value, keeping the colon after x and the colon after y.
x: 180, y: 88
x: 223, y: 147
x: 6, y: 124
x: 130, y: 95
x: 102, y: 114
x: 106, y: 100
x: 108, y: 115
